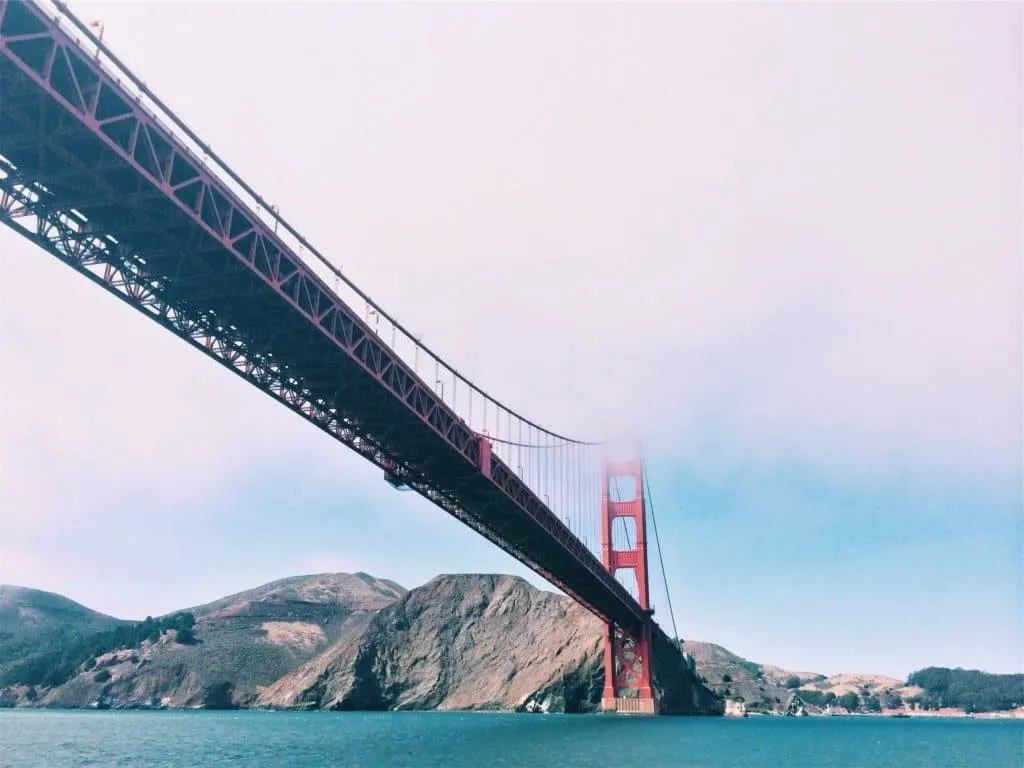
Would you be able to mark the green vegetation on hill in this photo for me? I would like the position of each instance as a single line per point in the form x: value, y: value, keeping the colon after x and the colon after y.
x: 58, y: 661
x: 238, y: 644
x: 764, y: 688
x: 31, y: 619
x: 967, y: 689
x: 752, y: 668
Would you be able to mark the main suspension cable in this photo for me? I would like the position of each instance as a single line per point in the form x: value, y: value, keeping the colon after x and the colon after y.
x: 219, y: 168
x: 657, y: 538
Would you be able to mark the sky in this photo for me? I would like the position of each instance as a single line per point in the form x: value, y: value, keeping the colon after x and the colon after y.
x: 784, y: 242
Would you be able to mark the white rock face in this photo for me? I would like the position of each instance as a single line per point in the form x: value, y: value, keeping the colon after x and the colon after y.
x: 735, y: 708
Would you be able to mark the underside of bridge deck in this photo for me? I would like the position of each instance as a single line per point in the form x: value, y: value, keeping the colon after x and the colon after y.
x: 92, y: 177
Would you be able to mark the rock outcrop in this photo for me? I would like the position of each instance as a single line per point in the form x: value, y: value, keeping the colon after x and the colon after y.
x: 476, y: 642
x: 677, y: 687
x: 458, y: 642
x: 735, y: 708
x: 795, y: 707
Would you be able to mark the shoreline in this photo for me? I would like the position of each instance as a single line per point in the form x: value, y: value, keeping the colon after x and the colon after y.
x: 948, y: 714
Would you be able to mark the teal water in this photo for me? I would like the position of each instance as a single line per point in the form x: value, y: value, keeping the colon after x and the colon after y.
x: 42, y: 739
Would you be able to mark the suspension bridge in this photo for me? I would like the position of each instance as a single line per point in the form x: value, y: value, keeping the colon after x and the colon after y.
x: 96, y: 170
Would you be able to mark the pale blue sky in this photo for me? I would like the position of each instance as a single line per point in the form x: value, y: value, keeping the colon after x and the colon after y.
x: 805, y: 219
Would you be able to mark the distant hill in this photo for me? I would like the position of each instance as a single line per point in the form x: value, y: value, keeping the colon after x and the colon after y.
x: 242, y: 642
x: 289, y: 597
x: 760, y: 687
x: 31, y: 618
x: 968, y: 689
x: 766, y: 688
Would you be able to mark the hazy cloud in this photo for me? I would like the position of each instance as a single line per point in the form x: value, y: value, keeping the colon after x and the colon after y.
x: 793, y: 227
x: 764, y: 234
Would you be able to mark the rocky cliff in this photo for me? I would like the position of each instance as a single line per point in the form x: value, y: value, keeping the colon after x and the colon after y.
x: 458, y: 642
x: 475, y: 642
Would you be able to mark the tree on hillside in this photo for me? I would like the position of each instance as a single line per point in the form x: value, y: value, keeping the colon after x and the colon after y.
x: 891, y: 701
x: 186, y: 636
x: 752, y: 669
x: 814, y: 698
x: 792, y: 682
x: 58, y: 662
x: 849, y: 701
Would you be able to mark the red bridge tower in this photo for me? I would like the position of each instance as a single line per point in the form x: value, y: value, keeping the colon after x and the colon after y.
x: 627, y: 650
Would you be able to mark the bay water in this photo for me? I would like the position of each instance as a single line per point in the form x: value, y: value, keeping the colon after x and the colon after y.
x: 54, y: 739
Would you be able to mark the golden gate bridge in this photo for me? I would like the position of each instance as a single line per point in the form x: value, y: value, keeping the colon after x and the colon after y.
x: 96, y: 170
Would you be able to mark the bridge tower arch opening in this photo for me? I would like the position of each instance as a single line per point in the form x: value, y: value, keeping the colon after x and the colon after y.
x: 628, y: 651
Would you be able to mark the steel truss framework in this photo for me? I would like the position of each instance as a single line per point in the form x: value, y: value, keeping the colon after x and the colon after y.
x: 89, y: 175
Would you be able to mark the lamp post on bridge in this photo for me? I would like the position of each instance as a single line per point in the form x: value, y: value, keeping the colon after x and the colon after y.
x: 97, y: 27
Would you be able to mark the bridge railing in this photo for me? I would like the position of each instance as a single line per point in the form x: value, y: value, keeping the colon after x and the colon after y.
x: 561, y: 471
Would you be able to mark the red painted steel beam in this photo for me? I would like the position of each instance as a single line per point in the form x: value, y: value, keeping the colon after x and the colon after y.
x: 52, y: 231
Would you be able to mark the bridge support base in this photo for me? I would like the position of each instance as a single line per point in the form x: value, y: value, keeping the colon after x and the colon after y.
x: 624, y: 706
x: 627, y: 672
x: 628, y: 653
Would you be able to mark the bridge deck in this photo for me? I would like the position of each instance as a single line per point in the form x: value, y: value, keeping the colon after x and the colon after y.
x: 98, y: 181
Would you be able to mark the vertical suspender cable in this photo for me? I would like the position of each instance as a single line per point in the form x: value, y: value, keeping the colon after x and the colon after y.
x: 565, y: 477
x: 576, y: 474
x: 657, y: 538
